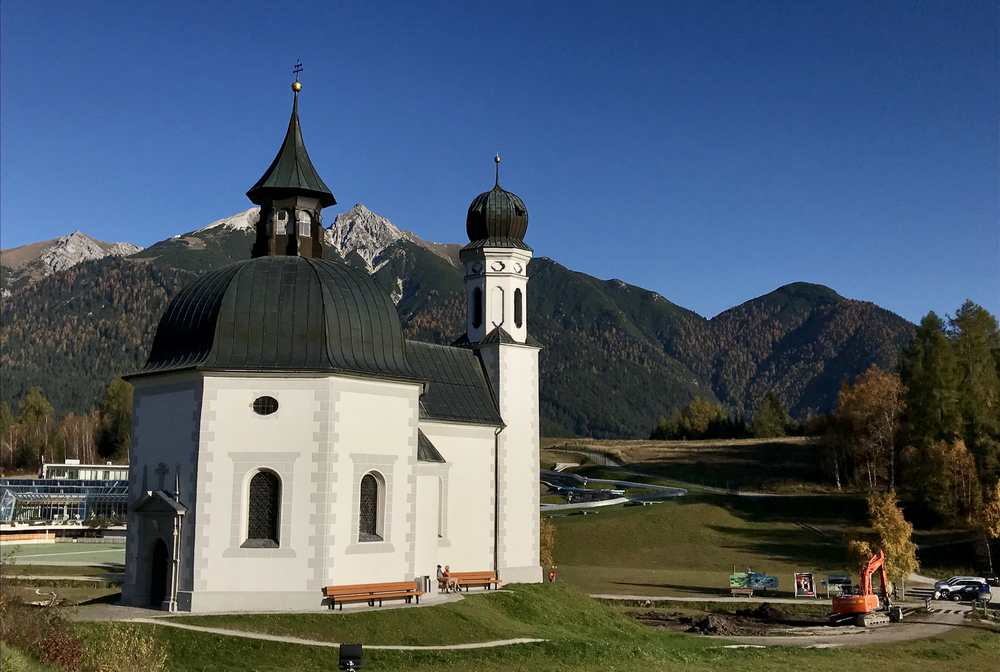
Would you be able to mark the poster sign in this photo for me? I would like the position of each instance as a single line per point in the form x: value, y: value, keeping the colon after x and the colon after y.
x: 805, y: 584
x: 753, y: 581
x: 838, y: 584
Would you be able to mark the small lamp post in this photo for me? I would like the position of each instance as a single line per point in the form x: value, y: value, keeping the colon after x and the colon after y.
x: 350, y: 656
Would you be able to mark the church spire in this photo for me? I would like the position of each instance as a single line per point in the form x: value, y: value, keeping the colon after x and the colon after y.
x: 291, y: 195
x: 291, y: 172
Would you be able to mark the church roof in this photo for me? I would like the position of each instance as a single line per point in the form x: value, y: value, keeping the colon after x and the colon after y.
x: 457, y: 390
x: 496, y: 335
x: 291, y: 172
x: 282, y: 313
x: 426, y: 451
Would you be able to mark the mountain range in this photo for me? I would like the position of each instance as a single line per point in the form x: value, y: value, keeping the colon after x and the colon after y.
x: 616, y: 357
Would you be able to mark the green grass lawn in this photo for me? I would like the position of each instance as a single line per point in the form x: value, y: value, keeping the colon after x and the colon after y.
x: 691, y: 544
x: 13, y: 660
x: 63, y: 554
x: 584, y: 636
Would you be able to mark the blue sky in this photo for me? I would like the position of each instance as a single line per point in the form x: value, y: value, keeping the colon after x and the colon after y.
x: 711, y: 151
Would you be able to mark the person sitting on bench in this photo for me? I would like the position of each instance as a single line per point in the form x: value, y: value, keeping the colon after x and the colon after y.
x: 442, y: 580
x: 445, y: 579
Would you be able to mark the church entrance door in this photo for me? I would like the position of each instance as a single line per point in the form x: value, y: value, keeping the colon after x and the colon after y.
x: 158, y: 575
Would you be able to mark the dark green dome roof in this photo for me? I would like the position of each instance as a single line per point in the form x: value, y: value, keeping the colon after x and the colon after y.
x: 497, y: 217
x: 282, y: 313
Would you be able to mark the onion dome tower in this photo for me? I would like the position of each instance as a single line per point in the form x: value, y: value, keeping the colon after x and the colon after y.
x: 496, y: 264
x: 497, y: 218
x: 291, y: 196
x: 496, y: 286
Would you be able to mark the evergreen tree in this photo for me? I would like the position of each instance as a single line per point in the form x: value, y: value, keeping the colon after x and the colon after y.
x: 116, y: 420
x: 930, y: 373
x: 976, y: 340
x: 770, y: 418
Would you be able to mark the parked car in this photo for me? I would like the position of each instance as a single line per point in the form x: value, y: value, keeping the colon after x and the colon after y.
x: 965, y: 590
x: 947, y: 583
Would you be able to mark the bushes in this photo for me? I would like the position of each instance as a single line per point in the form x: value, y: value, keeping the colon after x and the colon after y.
x: 126, y: 649
x: 45, y: 634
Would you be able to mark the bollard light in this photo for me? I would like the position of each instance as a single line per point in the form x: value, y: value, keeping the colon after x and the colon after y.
x: 350, y: 656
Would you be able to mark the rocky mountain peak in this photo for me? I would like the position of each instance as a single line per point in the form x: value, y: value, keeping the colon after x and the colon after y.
x: 241, y: 221
x: 68, y: 251
x: 365, y: 233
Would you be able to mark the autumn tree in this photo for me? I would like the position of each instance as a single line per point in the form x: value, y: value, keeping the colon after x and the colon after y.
x: 868, y: 415
x: 700, y: 419
x: 35, y: 415
x: 547, y: 542
x: 991, y: 512
x: 895, y: 535
x: 859, y: 552
x: 948, y: 481
x: 6, y: 434
x: 770, y: 418
x: 116, y: 420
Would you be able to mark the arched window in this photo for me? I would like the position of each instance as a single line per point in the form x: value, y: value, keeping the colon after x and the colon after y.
x: 262, y: 510
x: 441, y: 505
x: 477, y: 308
x: 518, y: 309
x: 280, y: 220
x: 303, y: 219
x: 498, y: 306
x: 372, y: 506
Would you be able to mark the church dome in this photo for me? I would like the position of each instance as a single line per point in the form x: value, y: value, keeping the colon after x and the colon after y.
x: 497, y: 215
x: 282, y: 313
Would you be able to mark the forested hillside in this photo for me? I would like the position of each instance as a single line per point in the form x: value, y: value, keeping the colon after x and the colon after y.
x: 616, y: 357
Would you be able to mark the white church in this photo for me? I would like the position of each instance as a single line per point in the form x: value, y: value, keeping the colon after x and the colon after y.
x: 287, y: 437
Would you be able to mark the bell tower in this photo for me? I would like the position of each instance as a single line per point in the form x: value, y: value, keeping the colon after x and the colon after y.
x: 291, y: 196
x: 496, y: 264
x: 496, y: 285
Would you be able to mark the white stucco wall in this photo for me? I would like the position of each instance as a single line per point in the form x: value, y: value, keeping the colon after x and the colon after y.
x: 327, y: 433
x: 468, y: 535
x: 513, y: 371
x: 165, y: 421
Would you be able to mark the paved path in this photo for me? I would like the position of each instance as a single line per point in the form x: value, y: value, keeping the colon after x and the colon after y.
x: 225, y: 632
x: 657, y: 492
x: 111, y: 578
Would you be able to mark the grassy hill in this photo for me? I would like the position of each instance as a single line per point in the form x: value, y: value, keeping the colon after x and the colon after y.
x: 582, y: 636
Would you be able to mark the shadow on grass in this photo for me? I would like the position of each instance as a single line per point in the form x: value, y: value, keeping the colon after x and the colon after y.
x: 789, y: 546
x: 113, y: 598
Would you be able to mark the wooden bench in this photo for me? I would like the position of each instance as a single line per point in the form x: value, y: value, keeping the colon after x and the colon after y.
x: 741, y: 592
x: 465, y: 579
x: 371, y: 593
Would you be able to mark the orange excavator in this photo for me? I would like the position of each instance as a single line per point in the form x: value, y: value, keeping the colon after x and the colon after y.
x: 865, y: 607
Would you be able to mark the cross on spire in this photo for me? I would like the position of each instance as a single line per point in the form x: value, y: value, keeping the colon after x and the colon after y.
x: 297, y: 68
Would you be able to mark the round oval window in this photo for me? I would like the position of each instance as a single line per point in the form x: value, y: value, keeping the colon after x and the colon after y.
x: 265, y: 405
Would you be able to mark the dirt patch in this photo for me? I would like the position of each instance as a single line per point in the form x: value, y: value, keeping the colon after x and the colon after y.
x: 765, y: 619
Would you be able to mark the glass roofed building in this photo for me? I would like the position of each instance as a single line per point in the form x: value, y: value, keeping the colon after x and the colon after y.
x: 63, y: 502
x: 287, y: 437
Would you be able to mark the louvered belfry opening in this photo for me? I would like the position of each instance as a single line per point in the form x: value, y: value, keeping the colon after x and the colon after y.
x: 263, y: 510
x: 368, y: 519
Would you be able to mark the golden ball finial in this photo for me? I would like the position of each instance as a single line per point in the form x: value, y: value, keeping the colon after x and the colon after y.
x: 496, y: 159
x: 296, y: 86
